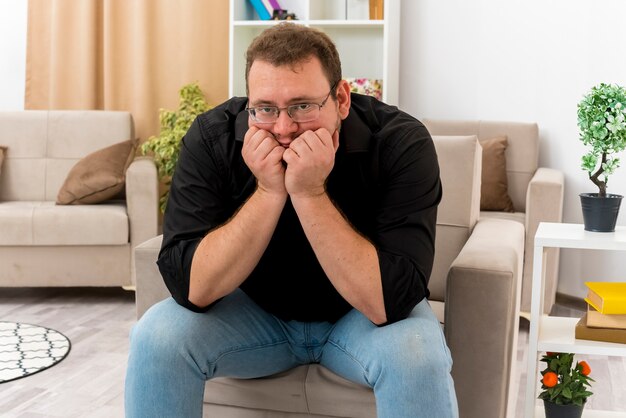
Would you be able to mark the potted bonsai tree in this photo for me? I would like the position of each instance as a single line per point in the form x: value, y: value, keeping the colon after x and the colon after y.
x: 602, y: 124
x: 165, y: 147
x: 564, y: 386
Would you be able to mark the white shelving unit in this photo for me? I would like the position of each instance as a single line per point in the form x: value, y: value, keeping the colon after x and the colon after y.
x: 368, y: 48
x: 556, y: 334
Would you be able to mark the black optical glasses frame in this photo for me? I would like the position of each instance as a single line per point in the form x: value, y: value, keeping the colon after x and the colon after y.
x: 276, y: 110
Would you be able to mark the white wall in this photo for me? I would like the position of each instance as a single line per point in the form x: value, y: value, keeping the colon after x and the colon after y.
x: 12, y: 54
x: 529, y: 60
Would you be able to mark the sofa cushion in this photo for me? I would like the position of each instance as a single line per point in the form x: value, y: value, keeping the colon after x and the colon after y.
x: 44, y: 223
x: 510, y: 216
x: 98, y: 176
x: 494, y: 191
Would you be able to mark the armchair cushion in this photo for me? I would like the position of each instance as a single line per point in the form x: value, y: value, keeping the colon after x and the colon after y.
x: 98, y: 176
x: 494, y: 192
x: 459, y: 164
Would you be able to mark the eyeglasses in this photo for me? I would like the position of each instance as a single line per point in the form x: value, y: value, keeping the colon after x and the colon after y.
x: 299, y: 113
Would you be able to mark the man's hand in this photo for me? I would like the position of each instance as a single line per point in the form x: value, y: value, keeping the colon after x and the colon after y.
x: 310, y: 159
x: 264, y: 156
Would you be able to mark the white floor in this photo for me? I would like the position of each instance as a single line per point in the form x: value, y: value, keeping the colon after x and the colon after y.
x: 90, y: 381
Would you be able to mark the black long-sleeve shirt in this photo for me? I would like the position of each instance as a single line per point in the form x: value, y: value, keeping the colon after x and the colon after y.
x: 385, y: 181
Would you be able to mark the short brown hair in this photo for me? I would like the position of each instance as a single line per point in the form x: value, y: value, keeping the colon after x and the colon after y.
x: 290, y: 44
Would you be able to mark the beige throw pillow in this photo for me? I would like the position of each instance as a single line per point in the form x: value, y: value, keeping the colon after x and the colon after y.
x: 98, y: 176
x: 494, y: 194
x: 3, y: 151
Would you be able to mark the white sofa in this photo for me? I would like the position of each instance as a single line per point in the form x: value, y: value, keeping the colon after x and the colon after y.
x: 45, y: 244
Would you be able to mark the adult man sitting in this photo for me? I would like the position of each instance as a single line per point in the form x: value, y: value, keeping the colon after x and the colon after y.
x: 300, y: 229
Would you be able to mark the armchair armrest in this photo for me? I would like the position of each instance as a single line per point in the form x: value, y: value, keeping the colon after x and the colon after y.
x: 482, y: 316
x: 150, y: 286
x: 544, y: 203
x: 142, y: 202
x: 544, y: 197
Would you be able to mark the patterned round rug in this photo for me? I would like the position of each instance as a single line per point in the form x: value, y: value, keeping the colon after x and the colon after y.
x: 27, y: 349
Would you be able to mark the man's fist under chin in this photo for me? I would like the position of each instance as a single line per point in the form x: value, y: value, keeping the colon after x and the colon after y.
x: 310, y: 159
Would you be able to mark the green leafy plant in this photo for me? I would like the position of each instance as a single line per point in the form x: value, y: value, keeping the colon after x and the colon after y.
x: 563, y: 384
x: 174, y: 124
x: 602, y: 124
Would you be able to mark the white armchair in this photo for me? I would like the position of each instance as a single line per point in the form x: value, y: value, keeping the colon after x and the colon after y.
x: 474, y: 291
x: 536, y: 192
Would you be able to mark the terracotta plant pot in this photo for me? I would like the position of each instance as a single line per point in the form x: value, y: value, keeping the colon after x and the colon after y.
x: 562, y: 411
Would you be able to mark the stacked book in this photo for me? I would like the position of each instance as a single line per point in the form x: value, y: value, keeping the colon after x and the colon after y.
x: 265, y: 8
x: 605, y: 319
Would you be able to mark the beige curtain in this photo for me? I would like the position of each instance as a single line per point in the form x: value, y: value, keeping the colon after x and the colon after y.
x: 129, y: 55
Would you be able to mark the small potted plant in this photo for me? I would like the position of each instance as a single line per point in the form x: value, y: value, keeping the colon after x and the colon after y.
x: 564, y: 386
x: 602, y: 125
x: 165, y: 147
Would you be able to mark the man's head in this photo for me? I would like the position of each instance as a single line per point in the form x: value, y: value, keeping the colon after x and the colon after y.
x: 289, y: 44
x: 293, y: 82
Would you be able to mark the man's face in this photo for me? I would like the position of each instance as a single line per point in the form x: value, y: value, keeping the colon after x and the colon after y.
x: 289, y: 85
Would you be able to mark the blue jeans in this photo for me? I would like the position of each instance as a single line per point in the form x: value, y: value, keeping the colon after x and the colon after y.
x: 173, y: 351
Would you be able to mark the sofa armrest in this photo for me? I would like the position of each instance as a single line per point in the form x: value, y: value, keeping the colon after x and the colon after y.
x: 482, y: 315
x: 544, y: 203
x: 142, y: 202
x: 150, y: 285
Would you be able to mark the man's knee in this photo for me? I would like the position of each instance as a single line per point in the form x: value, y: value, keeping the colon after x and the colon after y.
x: 158, y: 331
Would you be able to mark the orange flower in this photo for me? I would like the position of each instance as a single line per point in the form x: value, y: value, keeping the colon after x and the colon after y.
x: 550, y: 379
x: 586, y: 369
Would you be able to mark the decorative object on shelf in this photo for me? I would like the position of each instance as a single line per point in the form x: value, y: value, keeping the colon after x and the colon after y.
x: 261, y: 9
x: 377, y: 8
x: 27, y: 349
x: 596, y: 319
x: 272, y: 5
x: 357, y: 9
x: 564, y: 386
x: 174, y: 125
x: 605, y: 319
x: 368, y: 86
x: 602, y: 124
x: 282, y: 14
x: 582, y: 331
x: 607, y: 297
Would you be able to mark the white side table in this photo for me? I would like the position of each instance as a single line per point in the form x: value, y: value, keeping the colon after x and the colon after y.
x: 556, y: 334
